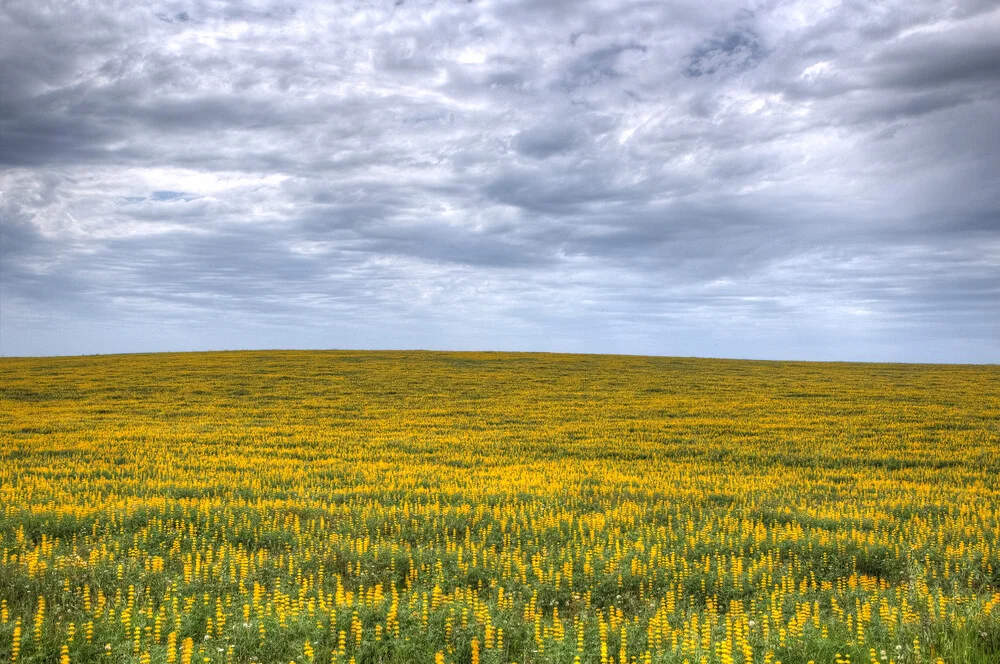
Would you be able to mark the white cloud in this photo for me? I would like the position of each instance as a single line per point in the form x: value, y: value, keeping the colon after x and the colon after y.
x: 729, y: 179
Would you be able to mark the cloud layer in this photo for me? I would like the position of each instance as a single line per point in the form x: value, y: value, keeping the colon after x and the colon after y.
x: 775, y: 179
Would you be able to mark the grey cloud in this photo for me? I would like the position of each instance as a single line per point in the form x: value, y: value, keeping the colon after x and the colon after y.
x: 538, y: 192
x: 599, y: 65
x: 546, y: 140
x: 922, y: 61
x: 733, y: 51
x: 681, y: 178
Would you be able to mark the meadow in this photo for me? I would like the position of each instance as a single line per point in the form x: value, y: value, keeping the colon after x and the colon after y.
x: 488, y: 508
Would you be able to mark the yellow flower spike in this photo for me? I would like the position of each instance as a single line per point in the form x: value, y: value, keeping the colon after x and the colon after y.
x: 680, y: 509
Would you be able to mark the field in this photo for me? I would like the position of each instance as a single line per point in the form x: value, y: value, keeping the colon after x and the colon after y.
x: 279, y: 507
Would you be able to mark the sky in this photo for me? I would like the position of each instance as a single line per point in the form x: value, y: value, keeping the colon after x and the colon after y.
x: 778, y: 180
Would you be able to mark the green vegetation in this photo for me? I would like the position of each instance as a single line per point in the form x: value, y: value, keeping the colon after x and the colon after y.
x: 279, y: 507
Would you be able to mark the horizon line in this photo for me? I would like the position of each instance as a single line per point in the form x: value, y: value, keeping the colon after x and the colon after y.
x: 497, y: 352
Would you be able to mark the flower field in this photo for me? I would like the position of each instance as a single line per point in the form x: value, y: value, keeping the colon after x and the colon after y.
x: 363, y: 507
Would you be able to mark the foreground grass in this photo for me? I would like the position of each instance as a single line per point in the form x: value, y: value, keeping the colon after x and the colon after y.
x: 461, y: 507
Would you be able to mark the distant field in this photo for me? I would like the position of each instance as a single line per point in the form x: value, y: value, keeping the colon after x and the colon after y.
x: 359, y: 507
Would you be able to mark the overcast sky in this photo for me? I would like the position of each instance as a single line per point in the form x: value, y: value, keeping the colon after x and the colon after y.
x: 802, y: 180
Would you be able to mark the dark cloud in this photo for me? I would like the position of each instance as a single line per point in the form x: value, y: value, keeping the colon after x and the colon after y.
x: 546, y: 140
x: 732, y: 51
x: 787, y: 179
x: 930, y: 60
x: 599, y: 65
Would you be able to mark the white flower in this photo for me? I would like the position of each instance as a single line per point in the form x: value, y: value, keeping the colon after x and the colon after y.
x: 107, y: 646
x: 751, y: 623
